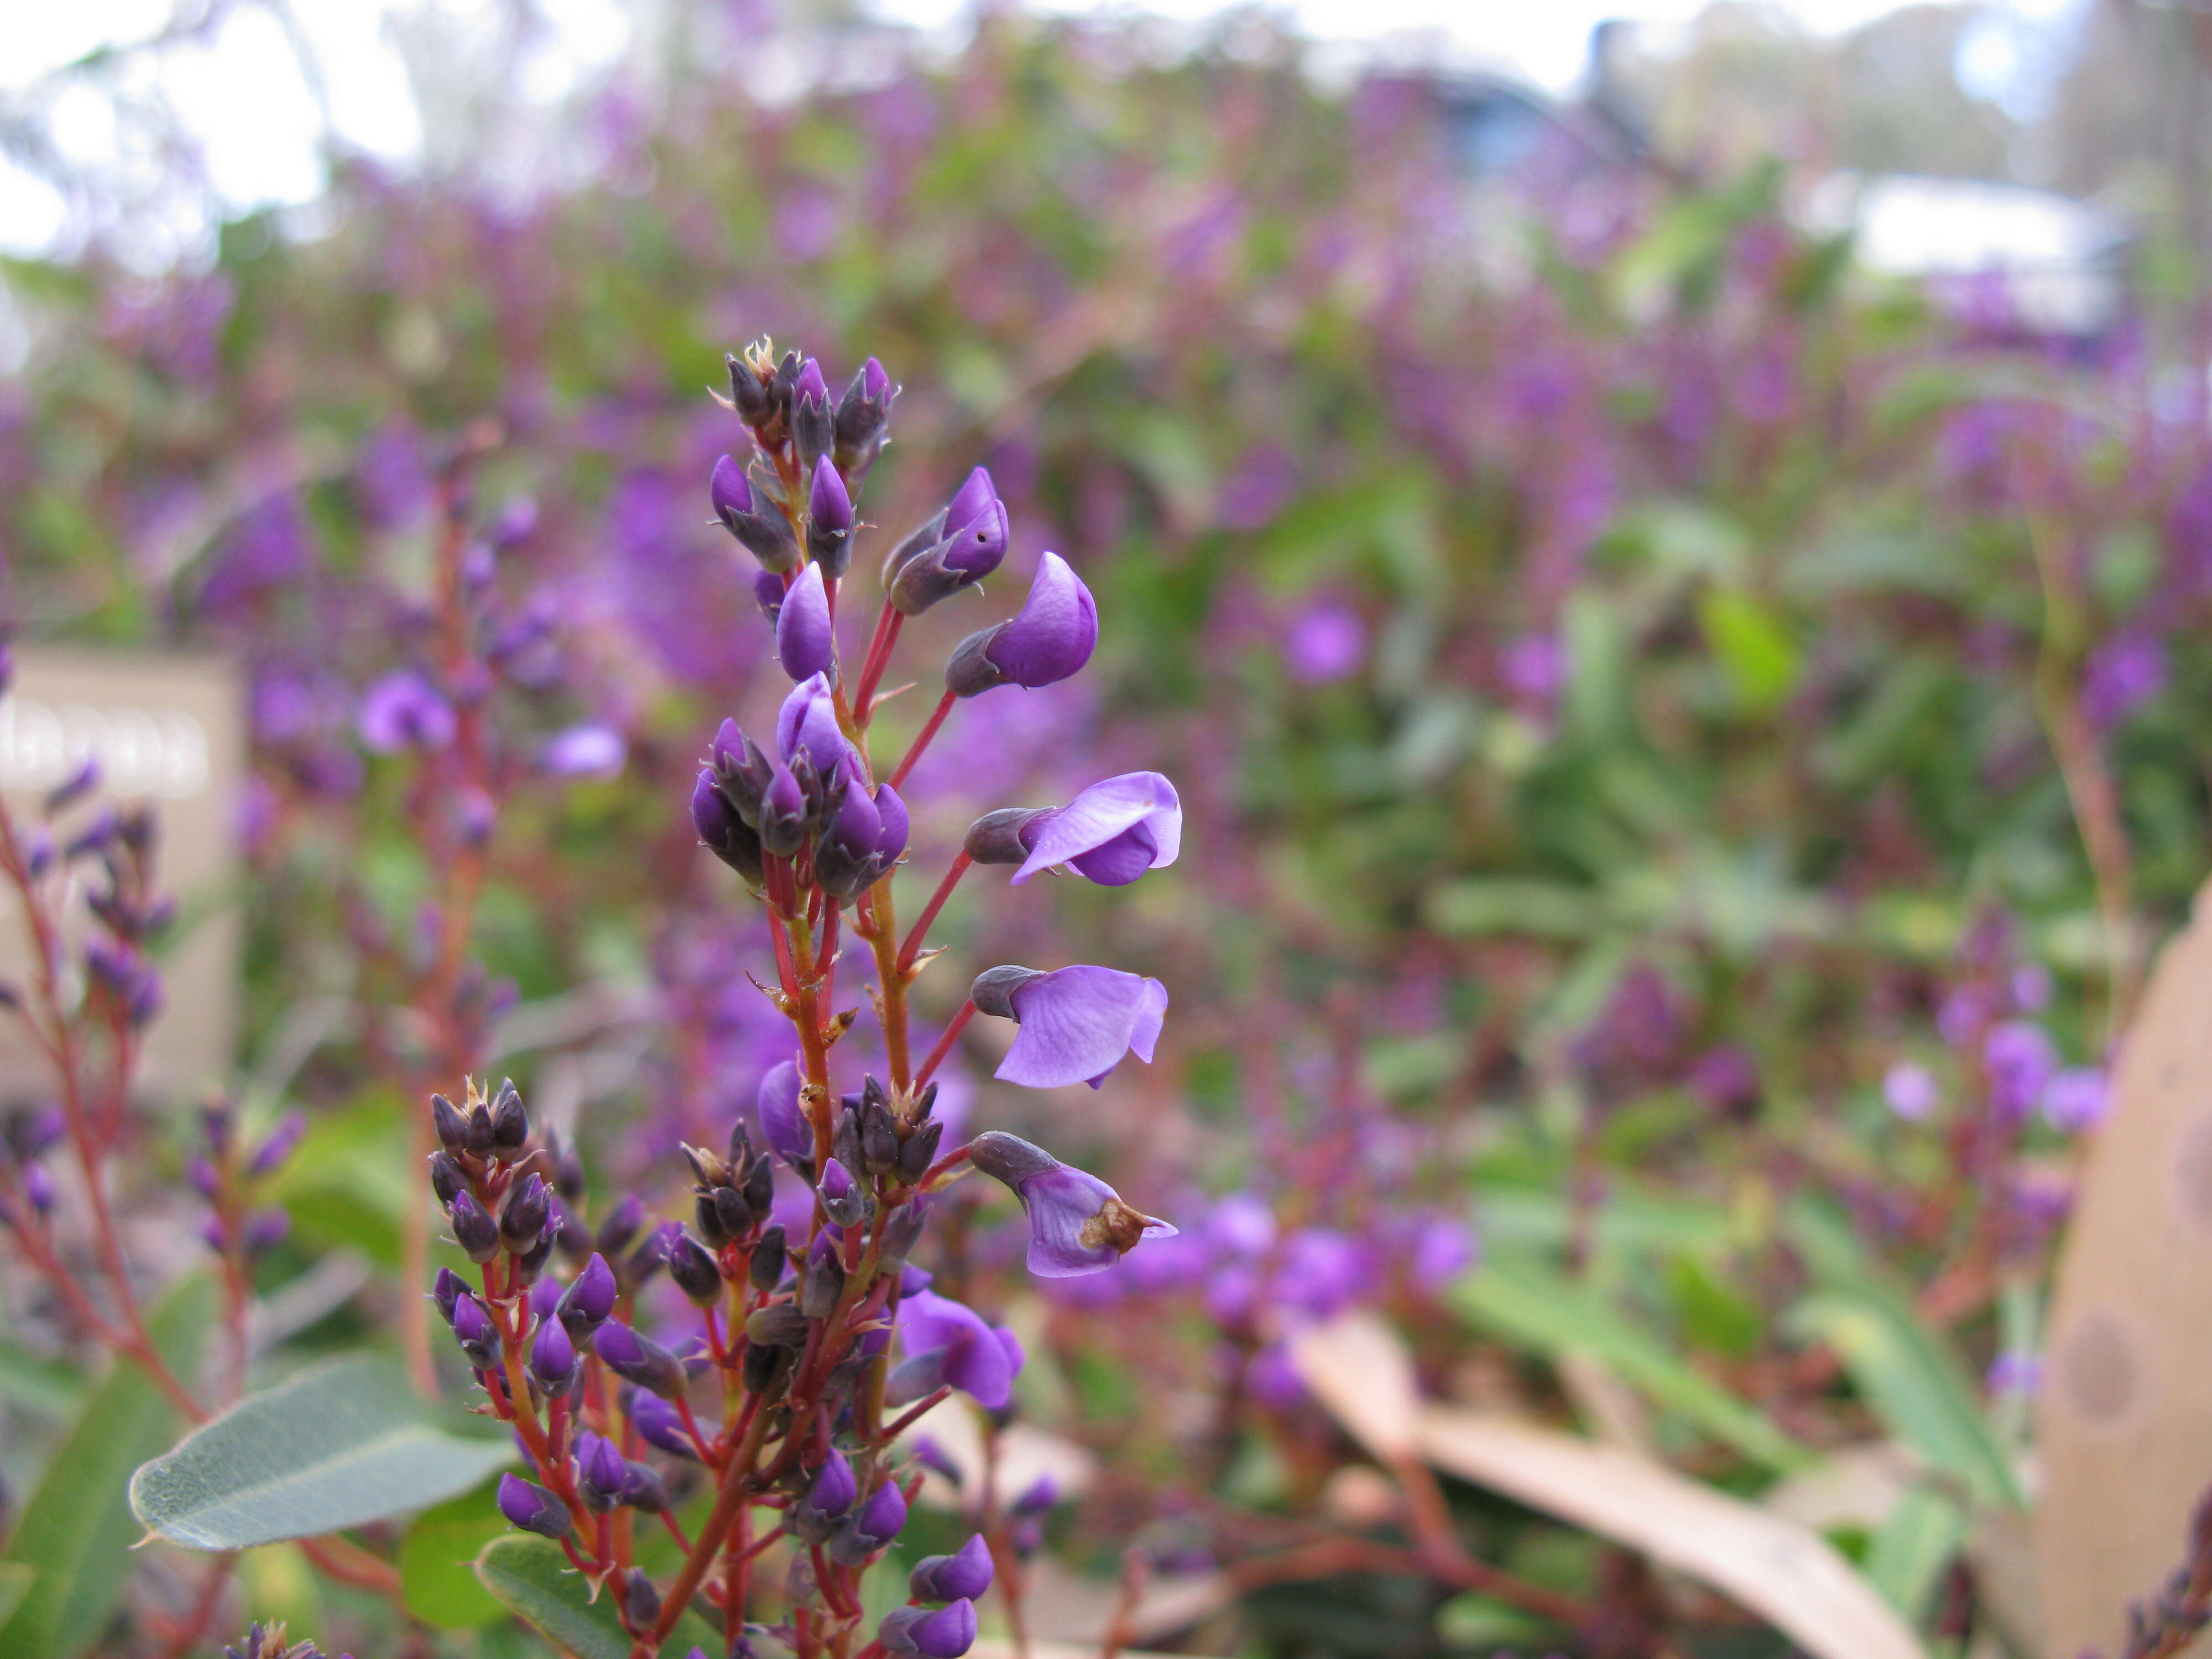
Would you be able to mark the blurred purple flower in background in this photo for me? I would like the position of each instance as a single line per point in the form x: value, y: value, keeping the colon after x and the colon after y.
x: 1325, y: 642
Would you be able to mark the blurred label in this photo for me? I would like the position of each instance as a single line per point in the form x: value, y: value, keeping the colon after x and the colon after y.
x: 167, y: 731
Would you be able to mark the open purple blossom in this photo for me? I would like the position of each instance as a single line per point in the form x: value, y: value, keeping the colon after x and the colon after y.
x: 2075, y: 1099
x: 1325, y: 642
x: 948, y: 1342
x: 1110, y: 834
x: 1049, y: 638
x: 1077, y: 1223
x: 1076, y: 1023
x: 1908, y: 1089
x: 404, y: 710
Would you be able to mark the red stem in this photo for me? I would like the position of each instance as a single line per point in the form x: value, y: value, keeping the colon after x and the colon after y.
x: 913, y: 939
x: 958, y: 1024
x: 943, y: 708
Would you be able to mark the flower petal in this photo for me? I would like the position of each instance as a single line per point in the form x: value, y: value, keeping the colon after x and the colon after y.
x: 1076, y: 1023
x: 1102, y: 814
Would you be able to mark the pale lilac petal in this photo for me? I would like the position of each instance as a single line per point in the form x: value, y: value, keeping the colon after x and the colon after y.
x: 585, y: 752
x: 1076, y: 1023
x: 1102, y: 814
x: 1052, y: 635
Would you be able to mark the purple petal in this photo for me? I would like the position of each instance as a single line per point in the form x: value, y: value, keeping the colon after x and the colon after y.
x: 805, y: 642
x: 808, y: 721
x: 1102, y: 818
x: 585, y: 752
x: 1054, y: 634
x: 1076, y: 1023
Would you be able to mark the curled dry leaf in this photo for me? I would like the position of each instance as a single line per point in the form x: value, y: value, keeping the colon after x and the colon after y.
x: 1357, y: 1367
x: 1787, y: 1575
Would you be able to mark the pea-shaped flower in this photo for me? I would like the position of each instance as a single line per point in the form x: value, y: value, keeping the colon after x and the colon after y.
x: 528, y: 1505
x: 1077, y: 1223
x: 947, y: 1341
x: 1111, y: 833
x: 808, y: 721
x: 956, y: 548
x: 759, y: 526
x: 1049, y: 639
x: 963, y: 1575
x: 1076, y: 1023
x: 944, y: 1634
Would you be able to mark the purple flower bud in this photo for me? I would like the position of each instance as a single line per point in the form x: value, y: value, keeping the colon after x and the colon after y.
x: 768, y: 594
x: 42, y: 1131
x: 452, y: 1129
x: 934, y: 1457
x: 813, y: 418
x: 811, y: 384
x: 1077, y: 1223
x: 890, y: 814
x: 956, y: 548
x: 522, y: 1220
x: 944, y: 1634
x: 760, y: 526
x: 844, y: 1201
x: 1111, y: 833
x: 863, y: 416
x: 873, y: 1529
x: 1076, y: 1023
x: 945, y: 1341
x: 830, y: 519
x: 281, y: 1141
x: 446, y: 1289
x: 531, y: 1507
x: 1051, y: 637
x: 807, y: 721
x: 545, y: 1299
x: 659, y: 1423
x: 474, y: 1331
x: 38, y: 1189
x: 640, y: 1601
x: 638, y: 1359
x: 404, y: 710
x: 805, y: 641
x: 620, y: 1225
x: 1039, y: 1496
x: 643, y: 1490
x: 601, y: 1472
x: 475, y: 1232
x: 783, y: 813
x: 589, y: 1301
x: 205, y: 1179
x: 722, y: 832
x: 846, y: 864
x: 265, y: 1230
x: 692, y: 1266
x: 2019, y: 1058
x: 553, y: 1359
x: 833, y: 1489
x: 961, y: 1576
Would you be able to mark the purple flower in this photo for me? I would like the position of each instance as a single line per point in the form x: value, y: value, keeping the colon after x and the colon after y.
x: 944, y: 1634
x: 878, y: 1523
x: 963, y: 1575
x: 279, y: 1146
x: 601, y: 1471
x: 660, y: 1424
x: 1533, y: 668
x: 1111, y: 833
x: 946, y: 1341
x: 790, y: 1136
x: 1325, y: 642
x: 1909, y: 1091
x: 2019, y: 1058
x: 404, y: 710
x: 1050, y: 639
x: 2075, y: 1099
x: 807, y: 722
x: 531, y: 1507
x: 1076, y: 1023
x: 805, y: 641
x: 722, y: 831
x: 589, y: 1301
x: 829, y: 520
x: 1077, y: 1223
x: 2127, y: 670
x: 833, y: 1489
x: 474, y: 1331
x: 2014, y: 1372
x: 584, y: 752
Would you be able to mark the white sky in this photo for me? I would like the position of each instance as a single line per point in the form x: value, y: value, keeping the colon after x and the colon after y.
x: 241, y: 95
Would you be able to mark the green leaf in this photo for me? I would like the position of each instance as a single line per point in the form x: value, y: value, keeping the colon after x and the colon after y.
x: 44, y: 1386
x: 1924, y: 1531
x: 338, y: 1445
x: 1753, y: 646
x: 532, y: 1578
x: 15, y: 1585
x: 1910, y: 1381
x: 1482, y: 906
x: 1910, y: 1376
x: 76, y: 1531
x: 1531, y: 1306
x: 437, y: 1563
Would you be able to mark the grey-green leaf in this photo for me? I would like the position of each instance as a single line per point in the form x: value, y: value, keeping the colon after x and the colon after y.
x: 76, y: 1532
x: 533, y: 1579
x: 338, y: 1445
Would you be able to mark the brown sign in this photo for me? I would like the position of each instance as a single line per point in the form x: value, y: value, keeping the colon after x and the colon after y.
x: 166, y: 730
